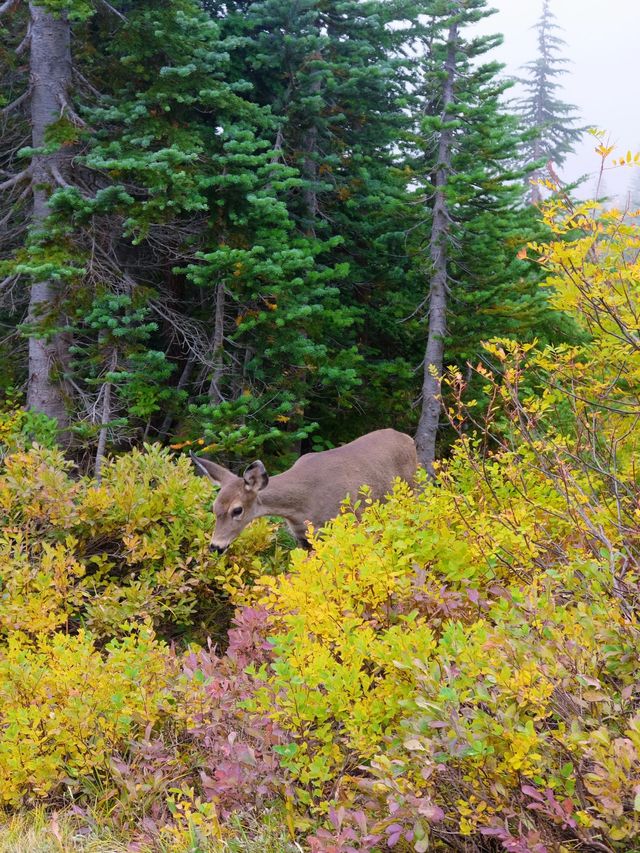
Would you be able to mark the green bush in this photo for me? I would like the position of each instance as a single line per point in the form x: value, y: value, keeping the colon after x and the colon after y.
x: 131, y: 548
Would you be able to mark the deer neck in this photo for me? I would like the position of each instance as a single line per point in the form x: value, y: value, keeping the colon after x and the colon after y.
x: 281, y: 497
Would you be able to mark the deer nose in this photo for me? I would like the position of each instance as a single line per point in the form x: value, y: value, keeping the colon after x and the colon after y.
x: 216, y: 549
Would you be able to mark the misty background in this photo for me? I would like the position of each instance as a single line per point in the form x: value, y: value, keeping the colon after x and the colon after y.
x: 602, y: 46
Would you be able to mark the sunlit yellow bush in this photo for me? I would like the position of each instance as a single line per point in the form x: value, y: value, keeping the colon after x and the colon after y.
x: 132, y: 547
x: 527, y: 718
x: 466, y: 658
x: 353, y: 617
x: 65, y: 708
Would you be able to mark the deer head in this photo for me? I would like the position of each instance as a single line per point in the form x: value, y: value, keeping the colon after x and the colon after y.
x: 237, y: 501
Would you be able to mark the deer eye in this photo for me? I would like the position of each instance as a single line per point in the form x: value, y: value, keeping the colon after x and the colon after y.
x: 237, y: 511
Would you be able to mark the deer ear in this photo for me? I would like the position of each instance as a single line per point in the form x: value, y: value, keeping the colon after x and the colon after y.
x: 255, y: 477
x: 218, y: 474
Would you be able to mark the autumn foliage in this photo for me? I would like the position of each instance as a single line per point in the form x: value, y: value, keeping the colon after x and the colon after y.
x: 455, y: 670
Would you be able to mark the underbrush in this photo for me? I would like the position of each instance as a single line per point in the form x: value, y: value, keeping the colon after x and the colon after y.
x: 455, y: 669
x: 130, y: 549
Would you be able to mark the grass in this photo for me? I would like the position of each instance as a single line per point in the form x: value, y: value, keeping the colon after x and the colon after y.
x: 41, y: 832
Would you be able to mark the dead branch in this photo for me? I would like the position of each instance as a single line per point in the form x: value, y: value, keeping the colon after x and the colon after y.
x: 5, y: 111
x: 26, y: 41
x: 113, y: 11
x: 89, y: 85
x: 68, y: 110
x: 16, y: 179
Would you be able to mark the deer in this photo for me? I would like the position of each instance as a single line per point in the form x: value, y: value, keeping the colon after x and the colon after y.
x: 312, y: 490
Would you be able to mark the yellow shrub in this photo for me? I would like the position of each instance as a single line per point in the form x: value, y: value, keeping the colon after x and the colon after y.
x: 133, y: 547
x: 65, y: 708
x: 354, y: 616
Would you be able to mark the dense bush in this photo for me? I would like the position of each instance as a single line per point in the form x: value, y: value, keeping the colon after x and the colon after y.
x: 65, y: 708
x: 94, y: 579
x: 459, y: 669
x: 454, y: 669
x: 131, y: 548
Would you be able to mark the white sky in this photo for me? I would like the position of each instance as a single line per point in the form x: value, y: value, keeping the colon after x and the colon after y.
x: 603, y: 43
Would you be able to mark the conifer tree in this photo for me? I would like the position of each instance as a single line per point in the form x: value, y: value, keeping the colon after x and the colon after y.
x: 231, y: 238
x: 553, y: 125
x: 475, y: 220
x: 334, y: 76
x: 45, y: 104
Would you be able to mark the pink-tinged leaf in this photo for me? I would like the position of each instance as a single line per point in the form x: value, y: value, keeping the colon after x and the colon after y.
x: 361, y: 821
x: 393, y: 839
x: 432, y: 812
x: 529, y: 791
x: 498, y: 831
x: 627, y: 692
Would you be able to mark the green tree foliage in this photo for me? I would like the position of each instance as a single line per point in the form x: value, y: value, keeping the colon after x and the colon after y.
x: 240, y: 202
x: 333, y: 76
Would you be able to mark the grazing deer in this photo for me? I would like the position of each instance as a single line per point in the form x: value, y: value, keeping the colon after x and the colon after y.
x: 312, y: 489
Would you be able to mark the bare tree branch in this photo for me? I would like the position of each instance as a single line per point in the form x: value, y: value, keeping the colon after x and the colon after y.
x: 26, y: 41
x: 16, y: 179
x: 59, y: 179
x: 6, y: 6
x: 15, y: 104
x: 112, y: 10
x: 8, y: 281
x: 87, y: 83
x: 70, y: 112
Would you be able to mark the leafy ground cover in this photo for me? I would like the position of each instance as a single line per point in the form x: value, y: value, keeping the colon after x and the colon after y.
x: 456, y: 670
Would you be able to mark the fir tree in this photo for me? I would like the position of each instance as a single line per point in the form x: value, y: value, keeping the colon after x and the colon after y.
x: 553, y: 125
x: 473, y: 198
x: 334, y: 77
x: 46, y: 103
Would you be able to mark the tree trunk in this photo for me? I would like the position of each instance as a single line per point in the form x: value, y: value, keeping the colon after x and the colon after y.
x: 102, y: 435
x: 434, y: 353
x: 105, y: 419
x: 215, y: 394
x: 310, y: 165
x: 535, y: 195
x: 50, y: 80
x: 182, y: 383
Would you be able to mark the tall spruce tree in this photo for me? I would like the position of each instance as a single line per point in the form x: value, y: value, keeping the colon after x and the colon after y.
x: 553, y: 125
x: 333, y: 75
x: 475, y: 221
x: 45, y: 104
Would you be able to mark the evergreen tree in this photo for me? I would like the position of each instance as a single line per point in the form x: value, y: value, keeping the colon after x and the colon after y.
x: 178, y: 207
x: 237, y: 202
x: 45, y: 102
x: 333, y: 75
x: 475, y: 221
x: 553, y: 125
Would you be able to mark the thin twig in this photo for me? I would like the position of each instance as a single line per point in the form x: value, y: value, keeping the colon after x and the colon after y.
x: 21, y: 176
x: 15, y: 104
x: 112, y: 10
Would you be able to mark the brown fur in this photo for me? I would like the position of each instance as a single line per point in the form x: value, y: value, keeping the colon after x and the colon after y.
x: 313, y: 489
